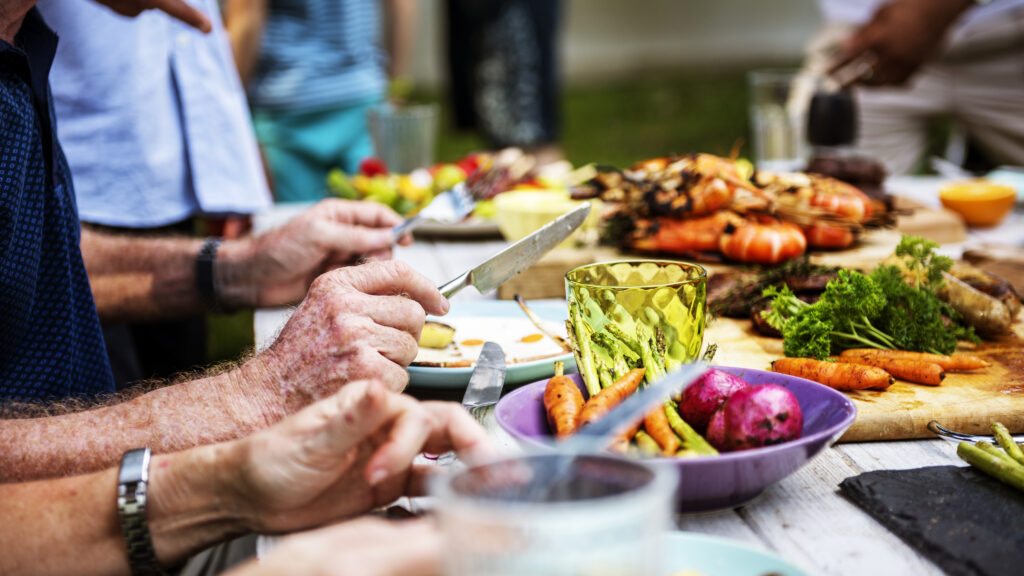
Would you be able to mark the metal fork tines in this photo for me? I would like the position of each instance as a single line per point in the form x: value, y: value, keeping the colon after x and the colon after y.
x: 450, y: 206
x: 952, y: 436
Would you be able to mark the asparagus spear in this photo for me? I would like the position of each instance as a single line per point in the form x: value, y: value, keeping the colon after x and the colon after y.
x: 1003, y: 469
x: 653, y: 367
x: 691, y: 439
x: 1006, y: 441
x: 648, y: 446
x: 615, y: 331
x: 577, y: 329
x: 615, y: 344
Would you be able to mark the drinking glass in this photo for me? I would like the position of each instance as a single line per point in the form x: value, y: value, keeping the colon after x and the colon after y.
x: 663, y: 300
x: 778, y: 104
x: 600, y: 515
x: 404, y: 137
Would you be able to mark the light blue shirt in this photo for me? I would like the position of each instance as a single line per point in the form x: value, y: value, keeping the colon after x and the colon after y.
x: 319, y: 55
x: 152, y: 117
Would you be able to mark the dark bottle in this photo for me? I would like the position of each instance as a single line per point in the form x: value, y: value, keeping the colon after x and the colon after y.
x: 832, y: 119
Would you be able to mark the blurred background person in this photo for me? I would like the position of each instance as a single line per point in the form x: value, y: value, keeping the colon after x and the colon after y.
x: 504, y: 78
x: 154, y: 123
x: 314, y: 68
x: 925, y: 59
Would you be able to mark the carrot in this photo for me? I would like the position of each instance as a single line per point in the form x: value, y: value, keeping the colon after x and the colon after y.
x: 656, y: 425
x: 563, y: 402
x: 953, y: 363
x: 621, y: 444
x: 834, y: 374
x: 599, y: 404
x: 917, y: 371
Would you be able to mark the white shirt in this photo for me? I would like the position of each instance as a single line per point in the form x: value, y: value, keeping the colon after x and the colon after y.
x: 152, y: 117
x: 860, y: 11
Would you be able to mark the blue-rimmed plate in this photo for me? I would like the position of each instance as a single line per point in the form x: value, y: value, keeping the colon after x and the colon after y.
x: 501, y: 321
x: 691, y: 554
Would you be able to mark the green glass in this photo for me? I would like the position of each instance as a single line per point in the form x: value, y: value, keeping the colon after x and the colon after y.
x: 650, y: 306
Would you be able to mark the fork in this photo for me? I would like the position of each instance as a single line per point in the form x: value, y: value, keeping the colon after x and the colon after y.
x: 454, y: 204
x: 952, y: 436
x: 450, y: 206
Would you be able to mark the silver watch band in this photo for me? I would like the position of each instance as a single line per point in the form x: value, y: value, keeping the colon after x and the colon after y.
x: 132, y: 483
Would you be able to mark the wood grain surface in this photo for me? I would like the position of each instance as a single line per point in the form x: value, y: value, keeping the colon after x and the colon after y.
x: 966, y: 402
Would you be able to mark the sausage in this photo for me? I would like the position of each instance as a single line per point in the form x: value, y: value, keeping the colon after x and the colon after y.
x: 987, y: 315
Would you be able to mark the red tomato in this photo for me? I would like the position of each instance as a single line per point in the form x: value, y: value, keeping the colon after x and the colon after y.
x: 372, y: 167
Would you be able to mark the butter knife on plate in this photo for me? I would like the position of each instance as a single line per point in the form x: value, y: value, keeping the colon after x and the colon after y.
x: 484, y: 387
x: 506, y: 264
x: 486, y: 381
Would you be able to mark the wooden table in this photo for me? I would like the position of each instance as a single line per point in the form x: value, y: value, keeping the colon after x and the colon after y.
x: 803, y: 518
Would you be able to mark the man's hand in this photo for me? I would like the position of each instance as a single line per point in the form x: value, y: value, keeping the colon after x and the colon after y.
x: 175, y: 8
x: 276, y: 268
x: 343, y: 456
x: 357, y: 322
x: 367, y: 546
x: 900, y: 38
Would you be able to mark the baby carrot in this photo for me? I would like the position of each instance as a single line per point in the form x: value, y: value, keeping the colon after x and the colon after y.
x: 954, y: 362
x: 563, y: 403
x: 917, y: 371
x: 835, y: 374
x: 599, y: 404
x: 656, y: 425
x: 621, y: 444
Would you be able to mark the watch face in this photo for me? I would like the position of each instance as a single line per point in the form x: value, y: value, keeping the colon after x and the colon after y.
x: 134, y: 466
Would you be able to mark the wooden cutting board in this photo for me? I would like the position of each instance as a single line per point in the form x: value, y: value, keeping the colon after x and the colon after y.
x: 966, y: 402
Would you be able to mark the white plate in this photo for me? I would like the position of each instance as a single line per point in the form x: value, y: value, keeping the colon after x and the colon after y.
x: 697, y: 554
x: 516, y: 373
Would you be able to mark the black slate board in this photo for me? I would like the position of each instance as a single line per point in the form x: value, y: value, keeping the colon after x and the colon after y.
x: 960, y: 518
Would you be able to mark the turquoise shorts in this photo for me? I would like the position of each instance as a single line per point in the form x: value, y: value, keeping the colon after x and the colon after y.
x: 301, y: 148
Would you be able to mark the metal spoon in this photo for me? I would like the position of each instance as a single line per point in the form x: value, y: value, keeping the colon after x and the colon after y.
x: 947, y: 434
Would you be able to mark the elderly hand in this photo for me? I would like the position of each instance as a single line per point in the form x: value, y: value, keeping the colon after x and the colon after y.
x: 276, y: 268
x: 901, y: 36
x: 356, y: 322
x: 368, y: 546
x: 175, y: 8
x: 343, y: 456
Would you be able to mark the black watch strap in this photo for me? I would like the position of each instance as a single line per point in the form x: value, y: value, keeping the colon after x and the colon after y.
x: 132, y: 485
x: 204, y: 274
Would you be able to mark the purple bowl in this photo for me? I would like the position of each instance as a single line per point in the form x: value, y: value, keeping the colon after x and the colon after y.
x: 712, y: 482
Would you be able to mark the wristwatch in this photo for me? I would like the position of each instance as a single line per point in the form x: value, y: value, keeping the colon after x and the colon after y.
x: 132, y: 482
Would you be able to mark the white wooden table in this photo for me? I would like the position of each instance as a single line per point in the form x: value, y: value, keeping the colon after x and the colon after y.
x: 803, y: 518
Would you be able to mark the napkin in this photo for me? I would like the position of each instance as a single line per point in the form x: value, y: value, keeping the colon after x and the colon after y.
x: 963, y: 520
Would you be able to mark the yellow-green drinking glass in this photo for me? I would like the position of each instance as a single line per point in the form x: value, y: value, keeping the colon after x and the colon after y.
x: 651, y: 306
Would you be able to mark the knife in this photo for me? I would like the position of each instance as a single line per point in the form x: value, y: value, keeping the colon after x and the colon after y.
x: 518, y: 257
x: 486, y: 380
x: 484, y: 388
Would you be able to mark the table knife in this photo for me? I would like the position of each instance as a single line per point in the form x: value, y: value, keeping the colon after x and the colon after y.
x: 484, y: 387
x: 486, y: 380
x: 518, y: 257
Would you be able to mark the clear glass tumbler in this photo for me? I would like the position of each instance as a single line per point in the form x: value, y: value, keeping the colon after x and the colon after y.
x: 404, y: 137
x: 555, y: 515
x: 778, y: 115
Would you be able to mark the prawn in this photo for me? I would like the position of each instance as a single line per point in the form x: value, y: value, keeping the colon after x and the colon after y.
x: 763, y: 242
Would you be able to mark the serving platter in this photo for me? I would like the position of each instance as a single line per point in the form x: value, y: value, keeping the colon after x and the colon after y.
x: 500, y: 321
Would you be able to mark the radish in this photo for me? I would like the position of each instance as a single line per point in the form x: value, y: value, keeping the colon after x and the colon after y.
x: 757, y: 416
x: 716, y: 430
x: 702, y: 398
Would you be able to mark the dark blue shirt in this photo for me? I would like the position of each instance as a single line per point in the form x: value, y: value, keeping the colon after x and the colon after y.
x: 50, y: 340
